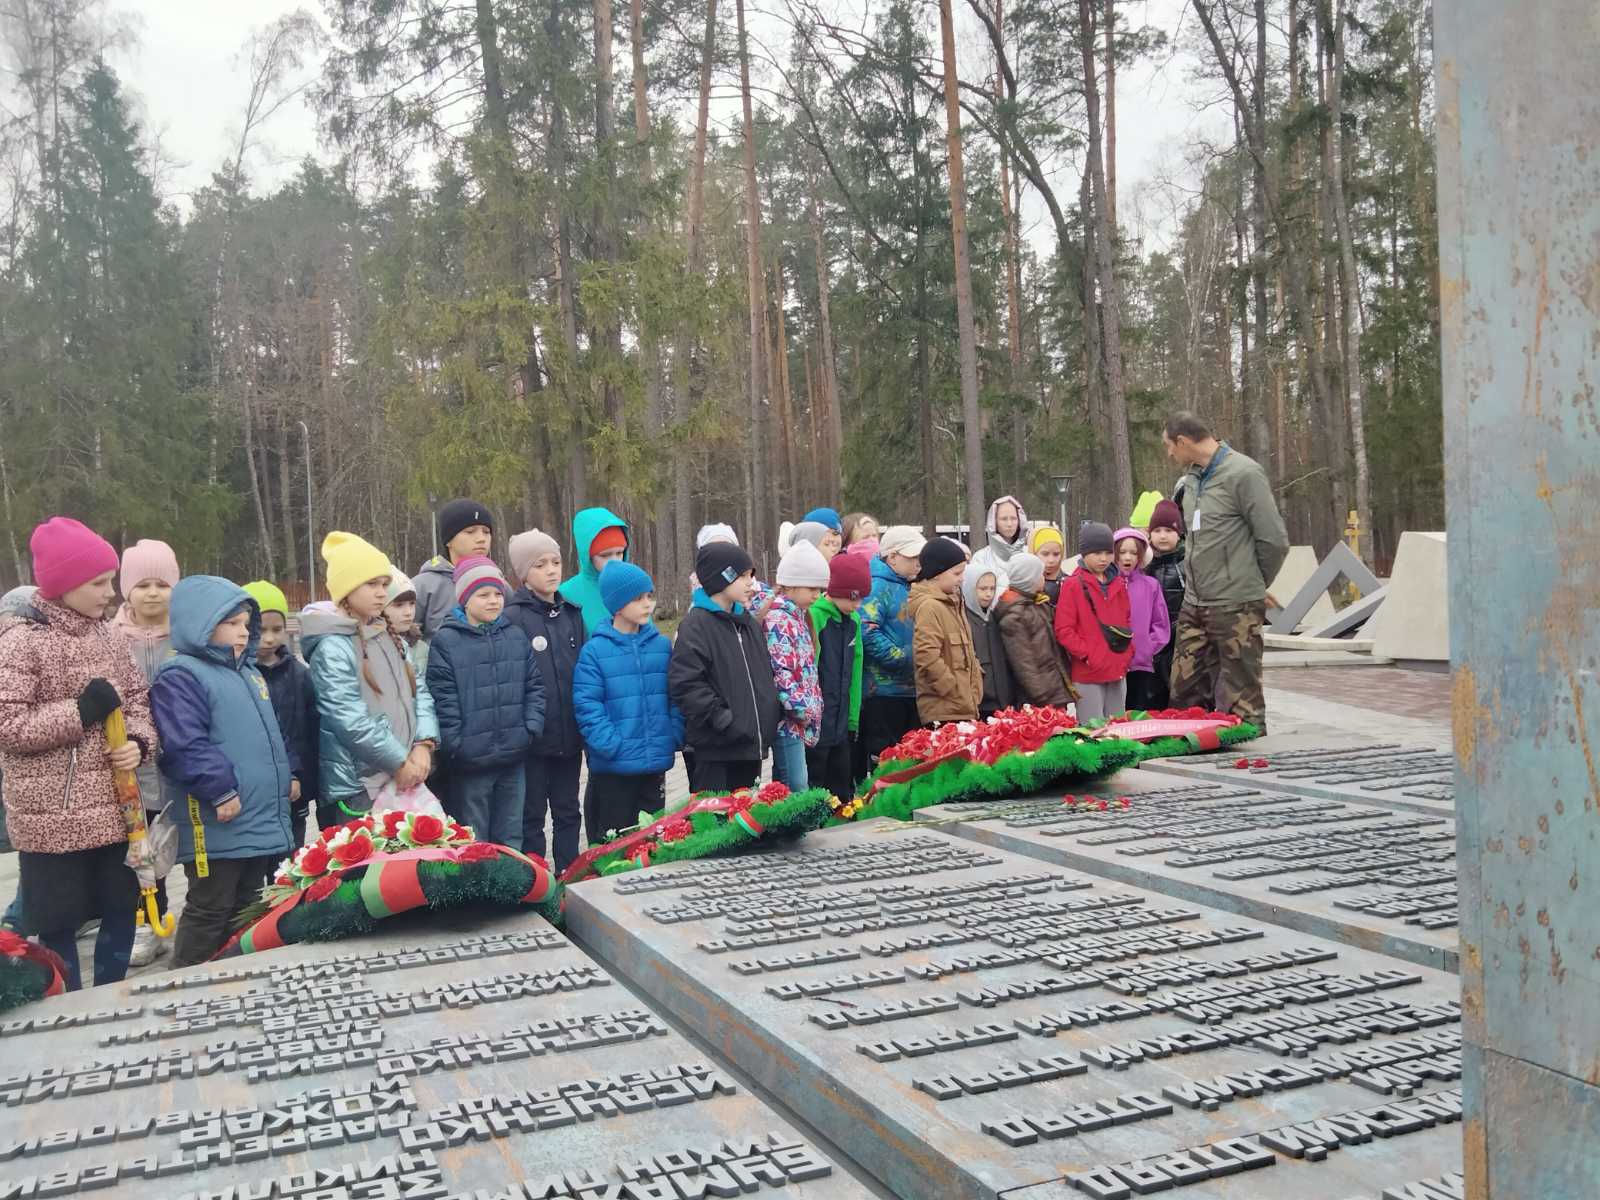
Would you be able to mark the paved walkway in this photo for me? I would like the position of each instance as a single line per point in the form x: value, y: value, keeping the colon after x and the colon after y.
x: 1378, y: 703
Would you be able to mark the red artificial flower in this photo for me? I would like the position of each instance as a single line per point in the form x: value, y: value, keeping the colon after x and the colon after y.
x: 322, y: 888
x: 642, y: 851
x: 1259, y: 763
x: 1101, y: 805
x: 313, y: 859
x: 11, y: 945
x: 459, y: 832
x: 1241, y: 764
x: 739, y: 802
x: 676, y: 829
x: 391, y: 822
x: 772, y: 792
x: 477, y: 852
x: 1069, y: 800
x: 1125, y: 802
x: 426, y: 828
x: 283, y: 881
x: 357, y: 849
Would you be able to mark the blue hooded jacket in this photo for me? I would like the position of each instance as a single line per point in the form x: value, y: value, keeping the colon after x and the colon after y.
x: 886, y: 631
x: 219, y: 736
x: 619, y: 691
x: 487, y: 692
x: 583, y: 589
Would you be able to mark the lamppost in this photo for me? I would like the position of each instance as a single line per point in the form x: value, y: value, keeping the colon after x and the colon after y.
x: 1063, y: 484
x: 961, y: 481
x: 311, y: 524
x: 433, y: 521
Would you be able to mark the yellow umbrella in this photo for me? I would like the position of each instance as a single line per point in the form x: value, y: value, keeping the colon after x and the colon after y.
x: 140, y: 858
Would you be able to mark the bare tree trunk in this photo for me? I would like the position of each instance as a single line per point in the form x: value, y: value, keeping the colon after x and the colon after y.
x: 248, y: 425
x: 566, y: 278
x: 683, y: 350
x: 1094, y: 378
x: 752, y: 216
x: 1350, y: 283
x: 966, y: 333
x: 1013, y: 265
x: 786, y: 418
x: 1337, y: 418
x: 1110, y: 287
x: 833, y: 471
x: 291, y: 543
x: 1258, y: 436
x: 1111, y: 115
x: 656, y: 400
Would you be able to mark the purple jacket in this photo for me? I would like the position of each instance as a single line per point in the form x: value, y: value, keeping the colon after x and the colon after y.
x: 1151, y: 626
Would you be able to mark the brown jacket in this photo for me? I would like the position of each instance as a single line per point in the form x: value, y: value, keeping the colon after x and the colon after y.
x: 1038, y: 663
x: 58, y: 787
x: 949, y: 680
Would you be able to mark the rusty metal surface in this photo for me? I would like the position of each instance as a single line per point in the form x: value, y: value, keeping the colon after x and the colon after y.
x: 344, y: 1089
x: 1404, y: 776
x: 1519, y: 212
x: 1369, y: 877
x: 963, y: 1021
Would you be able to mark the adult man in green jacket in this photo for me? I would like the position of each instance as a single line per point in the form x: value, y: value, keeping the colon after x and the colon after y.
x: 1236, y: 543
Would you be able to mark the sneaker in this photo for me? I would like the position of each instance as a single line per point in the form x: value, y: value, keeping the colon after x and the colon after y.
x: 146, y: 946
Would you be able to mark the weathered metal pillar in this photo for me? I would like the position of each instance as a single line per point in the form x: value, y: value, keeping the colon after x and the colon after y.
x: 1519, y: 216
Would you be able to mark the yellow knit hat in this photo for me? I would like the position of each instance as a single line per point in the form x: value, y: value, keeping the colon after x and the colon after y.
x: 1043, y: 534
x: 351, y: 562
x: 1145, y: 509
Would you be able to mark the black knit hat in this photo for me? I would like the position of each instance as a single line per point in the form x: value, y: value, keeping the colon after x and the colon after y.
x: 938, y: 555
x: 456, y: 515
x: 717, y: 564
x: 1094, y: 535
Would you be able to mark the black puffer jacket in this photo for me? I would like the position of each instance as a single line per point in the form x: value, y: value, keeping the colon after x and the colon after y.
x: 1168, y: 572
x: 721, y: 680
x: 294, y: 703
x: 555, y: 630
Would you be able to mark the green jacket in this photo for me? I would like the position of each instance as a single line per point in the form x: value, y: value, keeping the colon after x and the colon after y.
x: 824, y: 611
x: 1234, y: 555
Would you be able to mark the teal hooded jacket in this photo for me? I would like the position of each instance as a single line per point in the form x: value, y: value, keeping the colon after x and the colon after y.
x: 583, y: 589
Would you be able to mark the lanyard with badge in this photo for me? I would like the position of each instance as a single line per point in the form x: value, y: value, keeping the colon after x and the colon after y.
x: 1200, y: 485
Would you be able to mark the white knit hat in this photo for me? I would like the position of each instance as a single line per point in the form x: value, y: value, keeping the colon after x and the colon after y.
x: 901, y: 539
x: 802, y: 565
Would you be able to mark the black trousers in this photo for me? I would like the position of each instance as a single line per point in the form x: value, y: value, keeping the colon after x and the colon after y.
x: 885, y: 720
x: 615, y: 802
x: 720, y: 776
x: 552, y: 785
x: 1147, y: 690
x: 831, y: 767
x: 211, y: 903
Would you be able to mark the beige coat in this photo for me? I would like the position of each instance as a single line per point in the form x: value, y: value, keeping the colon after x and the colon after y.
x: 945, y: 662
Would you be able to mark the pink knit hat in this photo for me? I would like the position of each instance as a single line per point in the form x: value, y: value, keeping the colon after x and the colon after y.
x: 476, y: 571
x: 148, y: 559
x: 67, y: 553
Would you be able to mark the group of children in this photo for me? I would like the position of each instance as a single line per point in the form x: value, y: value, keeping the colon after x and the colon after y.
x: 489, y: 692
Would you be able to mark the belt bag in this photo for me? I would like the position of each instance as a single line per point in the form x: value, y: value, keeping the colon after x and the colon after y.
x: 1117, y: 638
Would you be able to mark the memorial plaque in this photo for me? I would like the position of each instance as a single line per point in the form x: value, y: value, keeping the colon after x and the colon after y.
x: 1373, y: 878
x: 448, y: 1057
x: 1386, y: 775
x: 964, y: 1021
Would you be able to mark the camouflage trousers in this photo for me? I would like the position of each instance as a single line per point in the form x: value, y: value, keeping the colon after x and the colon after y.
x: 1216, y: 660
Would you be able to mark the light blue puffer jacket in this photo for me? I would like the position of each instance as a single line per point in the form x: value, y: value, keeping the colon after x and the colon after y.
x: 366, y: 733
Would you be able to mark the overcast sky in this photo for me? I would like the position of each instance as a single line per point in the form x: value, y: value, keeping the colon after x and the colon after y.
x: 188, y: 74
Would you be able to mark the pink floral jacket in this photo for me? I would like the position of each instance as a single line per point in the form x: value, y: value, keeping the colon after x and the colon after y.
x: 57, y: 775
x: 794, y: 669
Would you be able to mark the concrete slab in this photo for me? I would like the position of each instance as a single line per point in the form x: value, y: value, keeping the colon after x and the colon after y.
x: 965, y: 1021
x: 1414, y: 621
x: 1307, y: 643
x: 444, y: 1055
x: 1298, y: 566
x: 1368, y: 877
x: 1322, y: 658
x: 1395, y: 775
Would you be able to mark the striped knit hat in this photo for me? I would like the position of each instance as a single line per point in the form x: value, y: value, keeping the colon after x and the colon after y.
x: 474, y: 572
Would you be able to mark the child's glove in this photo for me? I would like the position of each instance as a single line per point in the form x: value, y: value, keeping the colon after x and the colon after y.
x: 97, y: 701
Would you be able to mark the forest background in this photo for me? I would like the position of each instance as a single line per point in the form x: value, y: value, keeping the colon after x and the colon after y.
x: 699, y: 263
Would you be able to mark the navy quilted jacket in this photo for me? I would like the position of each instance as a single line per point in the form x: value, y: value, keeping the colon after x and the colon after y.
x: 487, y: 692
x: 619, y: 691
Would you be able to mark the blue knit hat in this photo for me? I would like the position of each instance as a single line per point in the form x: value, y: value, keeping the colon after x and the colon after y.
x: 825, y: 516
x: 621, y: 583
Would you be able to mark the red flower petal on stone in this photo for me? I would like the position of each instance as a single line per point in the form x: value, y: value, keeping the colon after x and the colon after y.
x: 1259, y: 763
x: 1241, y: 764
